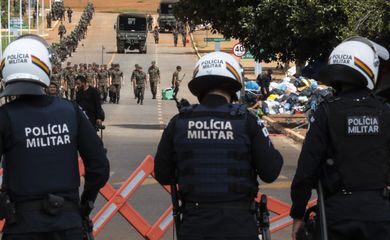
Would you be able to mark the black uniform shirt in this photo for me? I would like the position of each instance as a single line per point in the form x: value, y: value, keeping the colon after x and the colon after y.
x: 362, y: 205
x: 89, y: 101
x: 267, y: 160
x: 91, y: 150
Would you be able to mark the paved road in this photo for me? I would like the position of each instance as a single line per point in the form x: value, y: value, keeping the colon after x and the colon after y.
x: 133, y: 131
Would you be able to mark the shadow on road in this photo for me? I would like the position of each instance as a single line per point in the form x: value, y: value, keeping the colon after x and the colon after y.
x: 141, y: 126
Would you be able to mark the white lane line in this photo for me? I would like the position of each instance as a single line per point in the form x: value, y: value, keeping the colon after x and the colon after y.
x: 112, y: 59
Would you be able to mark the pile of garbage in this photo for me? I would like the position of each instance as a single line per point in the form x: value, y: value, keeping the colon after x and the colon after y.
x: 289, y: 96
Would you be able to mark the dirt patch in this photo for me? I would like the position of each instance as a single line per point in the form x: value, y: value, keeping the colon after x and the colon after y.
x: 147, y: 6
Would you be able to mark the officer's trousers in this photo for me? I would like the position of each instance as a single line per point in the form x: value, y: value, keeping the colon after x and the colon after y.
x: 153, y: 88
x: 218, y: 224
x: 117, y: 88
x: 140, y: 91
x: 103, y: 91
x: 70, y: 234
x: 356, y: 230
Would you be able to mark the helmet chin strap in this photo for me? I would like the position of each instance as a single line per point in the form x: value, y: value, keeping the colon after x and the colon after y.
x: 221, y: 93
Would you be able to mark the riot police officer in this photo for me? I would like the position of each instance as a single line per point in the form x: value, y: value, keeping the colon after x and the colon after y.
x: 216, y: 150
x: 41, y: 175
x: 347, y: 147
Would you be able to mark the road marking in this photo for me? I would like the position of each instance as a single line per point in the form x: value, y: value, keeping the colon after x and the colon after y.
x: 112, y: 59
x: 282, y: 177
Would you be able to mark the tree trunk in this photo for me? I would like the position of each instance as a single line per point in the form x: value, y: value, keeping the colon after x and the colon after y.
x: 299, y: 65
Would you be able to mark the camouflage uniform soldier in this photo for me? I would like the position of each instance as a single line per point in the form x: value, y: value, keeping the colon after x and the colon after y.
x: 116, y: 77
x: 140, y: 82
x: 103, y: 77
x: 156, y: 35
x: 69, y: 12
x: 175, y: 36
x: 56, y: 77
x: 90, y: 74
x: 136, y: 66
x: 69, y: 79
x: 61, y: 30
x: 48, y: 19
x: 184, y: 36
x: 154, y: 78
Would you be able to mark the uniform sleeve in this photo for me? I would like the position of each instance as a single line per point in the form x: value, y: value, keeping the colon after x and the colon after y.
x: 267, y: 160
x: 99, y: 110
x: 5, y: 135
x: 97, y: 169
x: 164, y: 160
x: 313, y: 154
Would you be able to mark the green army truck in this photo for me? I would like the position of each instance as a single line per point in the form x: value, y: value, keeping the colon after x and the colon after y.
x: 166, y: 19
x: 131, y: 32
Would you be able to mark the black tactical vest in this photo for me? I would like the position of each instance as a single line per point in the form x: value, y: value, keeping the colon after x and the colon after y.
x: 43, y: 157
x: 360, y: 135
x: 213, y: 156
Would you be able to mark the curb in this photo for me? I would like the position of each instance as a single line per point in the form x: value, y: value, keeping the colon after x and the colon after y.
x: 194, y: 46
x: 288, y: 132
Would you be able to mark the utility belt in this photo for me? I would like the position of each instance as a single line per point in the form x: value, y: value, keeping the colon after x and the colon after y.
x: 243, y: 205
x: 384, y: 192
x: 51, y: 205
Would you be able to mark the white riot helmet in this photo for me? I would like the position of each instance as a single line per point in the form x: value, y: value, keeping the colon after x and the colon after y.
x: 26, y: 66
x: 355, y: 61
x: 216, y: 70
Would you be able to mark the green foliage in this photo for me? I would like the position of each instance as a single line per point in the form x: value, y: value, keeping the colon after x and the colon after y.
x: 291, y: 30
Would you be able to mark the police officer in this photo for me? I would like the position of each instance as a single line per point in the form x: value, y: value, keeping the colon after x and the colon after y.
x: 140, y: 79
x: 347, y: 147
x: 216, y: 150
x: 61, y: 30
x: 154, y: 78
x: 116, y: 81
x: 41, y: 175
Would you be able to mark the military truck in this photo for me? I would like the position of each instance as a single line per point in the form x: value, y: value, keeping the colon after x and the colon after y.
x: 131, y: 32
x: 166, y: 19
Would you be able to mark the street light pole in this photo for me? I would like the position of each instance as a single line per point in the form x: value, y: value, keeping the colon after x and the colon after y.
x: 9, y: 21
x: 43, y: 16
x: 37, y: 16
x: 29, y: 16
x: 102, y: 54
x: 20, y: 18
x: 1, y: 33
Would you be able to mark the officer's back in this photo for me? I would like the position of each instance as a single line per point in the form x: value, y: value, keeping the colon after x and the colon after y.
x: 215, y: 150
x: 40, y: 138
x: 347, y: 147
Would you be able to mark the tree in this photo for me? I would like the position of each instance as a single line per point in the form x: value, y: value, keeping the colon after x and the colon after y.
x: 291, y: 30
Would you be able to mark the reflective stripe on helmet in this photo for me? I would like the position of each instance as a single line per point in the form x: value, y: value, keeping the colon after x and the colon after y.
x: 362, y: 66
x: 233, y: 71
x: 36, y: 61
